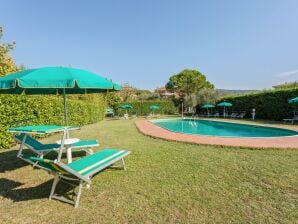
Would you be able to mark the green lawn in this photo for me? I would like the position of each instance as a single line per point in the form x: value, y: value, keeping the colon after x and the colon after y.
x: 165, y: 182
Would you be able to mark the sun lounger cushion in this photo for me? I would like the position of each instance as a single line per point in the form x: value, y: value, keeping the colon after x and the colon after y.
x: 97, y: 161
x: 38, y: 146
x: 86, y: 166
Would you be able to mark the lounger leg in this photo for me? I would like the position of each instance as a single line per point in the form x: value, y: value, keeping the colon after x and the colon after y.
x: 77, y: 201
x: 123, y: 163
x: 119, y: 167
x: 62, y: 146
x: 22, y: 145
x: 55, y: 182
x: 89, y: 151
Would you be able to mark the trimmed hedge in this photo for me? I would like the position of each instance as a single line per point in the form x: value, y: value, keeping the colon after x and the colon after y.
x: 269, y: 104
x: 141, y: 108
x: 47, y: 110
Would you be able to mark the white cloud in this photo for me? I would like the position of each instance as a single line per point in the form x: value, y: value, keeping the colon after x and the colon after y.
x: 287, y: 74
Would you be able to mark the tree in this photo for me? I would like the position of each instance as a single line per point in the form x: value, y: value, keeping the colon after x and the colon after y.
x: 206, y: 96
x: 188, y: 82
x: 127, y: 92
x: 7, y: 64
x: 113, y: 100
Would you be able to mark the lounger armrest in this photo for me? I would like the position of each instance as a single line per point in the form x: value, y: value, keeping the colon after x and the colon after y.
x: 85, y: 144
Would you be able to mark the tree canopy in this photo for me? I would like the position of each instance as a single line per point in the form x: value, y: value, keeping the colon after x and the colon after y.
x: 188, y: 82
x: 7, y: 64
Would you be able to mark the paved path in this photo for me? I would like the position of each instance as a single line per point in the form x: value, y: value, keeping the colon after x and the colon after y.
x: 150, y: 129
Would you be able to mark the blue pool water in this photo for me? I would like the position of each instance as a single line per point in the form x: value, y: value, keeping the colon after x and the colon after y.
x: 224, y: 129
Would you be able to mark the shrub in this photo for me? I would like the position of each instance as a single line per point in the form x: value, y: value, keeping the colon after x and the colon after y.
x: 269, y: 104
x: 47, y: 110
x: 141, y: 108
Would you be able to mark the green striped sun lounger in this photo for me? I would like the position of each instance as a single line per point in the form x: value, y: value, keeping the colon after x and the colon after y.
x: 41, y: 149
x: 80, y: 170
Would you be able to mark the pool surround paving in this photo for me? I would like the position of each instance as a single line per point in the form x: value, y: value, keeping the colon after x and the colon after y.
x: 150, y: 129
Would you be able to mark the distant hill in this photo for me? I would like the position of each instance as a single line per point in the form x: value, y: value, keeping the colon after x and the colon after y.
x: 233, y: 91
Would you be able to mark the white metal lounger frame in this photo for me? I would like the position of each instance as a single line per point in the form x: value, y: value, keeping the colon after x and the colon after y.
x: 81, y: 178
x: 41, y: 153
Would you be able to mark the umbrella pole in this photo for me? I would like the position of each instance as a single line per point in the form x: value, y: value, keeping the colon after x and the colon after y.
x: 65, y: 109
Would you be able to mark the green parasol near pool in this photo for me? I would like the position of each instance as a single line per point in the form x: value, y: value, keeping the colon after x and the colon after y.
x: 55, y: 80
x: 154, y: 107
x: 125, y: 106
x: 294, y: 100
x: 207, y: 106
x: 224, y: 105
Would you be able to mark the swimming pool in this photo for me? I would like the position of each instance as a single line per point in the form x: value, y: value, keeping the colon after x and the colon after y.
x: 222, y: 129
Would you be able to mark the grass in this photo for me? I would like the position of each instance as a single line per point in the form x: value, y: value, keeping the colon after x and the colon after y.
x: 165, y: 182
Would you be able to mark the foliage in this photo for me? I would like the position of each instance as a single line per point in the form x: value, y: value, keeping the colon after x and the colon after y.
x: 127, y: 93
x: 113, y: 100
x: 188, y: 82
x: 7, y: 64
x: 269, y: 104
x: 203, y: 96
x: 141, y: 108
x: 287, y: 85
x: 143, y: 91
x: 206, y: 96
x: 46, y: 110
x: 146, y: 95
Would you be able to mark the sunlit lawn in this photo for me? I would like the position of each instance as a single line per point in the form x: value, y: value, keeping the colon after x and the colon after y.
x: 165, y: 182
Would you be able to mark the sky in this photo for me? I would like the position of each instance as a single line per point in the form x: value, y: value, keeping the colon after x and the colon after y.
x: 244, y: 44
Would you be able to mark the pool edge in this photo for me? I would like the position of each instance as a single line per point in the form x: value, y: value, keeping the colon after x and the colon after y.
x: 150, y: 129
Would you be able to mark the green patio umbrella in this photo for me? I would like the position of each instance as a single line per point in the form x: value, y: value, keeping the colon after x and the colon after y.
x: 294, y: 100
x: 55, y: 80
x: 207, y: 106
x: 126, y: 107
x: 224, y: 105
x: 154, y: 107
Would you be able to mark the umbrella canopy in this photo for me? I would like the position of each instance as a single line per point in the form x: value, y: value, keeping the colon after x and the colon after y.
x: 153, y: 107
x: 126, y: 106
x: 207, y: 106
x: 55, y: 80
x: 224, y: 104
x: 294, y: 100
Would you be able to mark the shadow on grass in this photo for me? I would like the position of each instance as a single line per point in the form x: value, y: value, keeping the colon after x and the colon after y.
x: 9, y: 160
x: 9, y: 189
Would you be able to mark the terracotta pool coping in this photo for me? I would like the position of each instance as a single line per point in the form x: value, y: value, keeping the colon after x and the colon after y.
x: 148, y: 128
